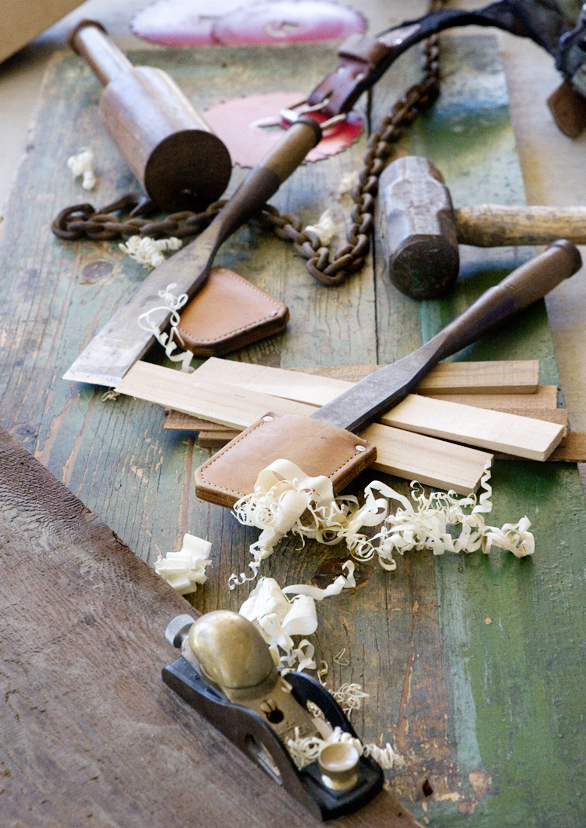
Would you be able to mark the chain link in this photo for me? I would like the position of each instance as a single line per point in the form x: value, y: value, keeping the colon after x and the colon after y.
x: 81, y: 220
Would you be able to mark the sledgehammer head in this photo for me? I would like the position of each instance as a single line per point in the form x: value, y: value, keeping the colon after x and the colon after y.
x: 418, y: 228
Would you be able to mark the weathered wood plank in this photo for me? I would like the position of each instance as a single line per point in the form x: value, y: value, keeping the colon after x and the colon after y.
x: 88, y: 727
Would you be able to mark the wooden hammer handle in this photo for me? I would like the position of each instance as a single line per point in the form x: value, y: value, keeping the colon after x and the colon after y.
x: 494, y: 225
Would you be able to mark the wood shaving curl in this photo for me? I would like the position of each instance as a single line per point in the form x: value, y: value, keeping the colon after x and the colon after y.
x: 82, y: 165
x: 147, y: 251
x: 167, y: 340
x: 287, y: 500
x: 304, y: 750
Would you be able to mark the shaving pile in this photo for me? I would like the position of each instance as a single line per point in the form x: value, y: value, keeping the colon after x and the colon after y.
x: 167, y: 340
x: 304, y: 750
x: 325, y: 229
x: 147, y: 251
x: 278, y: 617
x: 185, y: 569
x: 287, y: 500
x: 82, y: 165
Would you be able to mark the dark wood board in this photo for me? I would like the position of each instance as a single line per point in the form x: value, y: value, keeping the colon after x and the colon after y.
x: 461, y: 698
x: 90, y: 734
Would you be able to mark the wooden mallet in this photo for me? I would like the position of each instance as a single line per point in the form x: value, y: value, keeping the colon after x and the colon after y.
x: 166, y: 143
x: 421, y: 230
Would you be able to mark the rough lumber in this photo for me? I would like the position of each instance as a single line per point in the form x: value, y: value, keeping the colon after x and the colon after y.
x: 240, y: 408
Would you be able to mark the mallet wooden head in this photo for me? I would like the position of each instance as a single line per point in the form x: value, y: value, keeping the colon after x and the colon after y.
x: 181, y: 164
x: 418, y: 228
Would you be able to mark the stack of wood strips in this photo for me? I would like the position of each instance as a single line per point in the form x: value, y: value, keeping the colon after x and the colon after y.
x: 489, y: 407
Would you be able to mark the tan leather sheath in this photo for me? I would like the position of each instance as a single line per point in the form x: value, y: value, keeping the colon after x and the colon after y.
x: 228, y: 313
x: 316, y: 447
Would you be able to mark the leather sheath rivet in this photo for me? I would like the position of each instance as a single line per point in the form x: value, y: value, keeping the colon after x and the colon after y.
x: 360, y: 448
x: 267, y: 419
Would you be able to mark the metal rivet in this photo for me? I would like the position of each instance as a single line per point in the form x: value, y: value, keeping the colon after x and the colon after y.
x: 267, y: 419
x: 360, y: 448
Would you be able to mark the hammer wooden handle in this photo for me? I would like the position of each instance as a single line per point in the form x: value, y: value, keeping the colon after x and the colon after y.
x: 494, y: 225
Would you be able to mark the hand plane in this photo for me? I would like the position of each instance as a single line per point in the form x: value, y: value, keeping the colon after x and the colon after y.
x: 226, y: 672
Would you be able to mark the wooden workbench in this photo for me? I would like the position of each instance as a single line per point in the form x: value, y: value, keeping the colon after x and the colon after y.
x: 474, y: 665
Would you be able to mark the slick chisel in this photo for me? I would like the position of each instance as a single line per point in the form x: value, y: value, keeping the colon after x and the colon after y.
x: 326, y: 442
x: 121, y: 342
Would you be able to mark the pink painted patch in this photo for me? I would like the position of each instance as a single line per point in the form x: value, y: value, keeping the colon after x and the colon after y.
x: 250, y: 126
x: 228, y: 22
x: 289, y: 21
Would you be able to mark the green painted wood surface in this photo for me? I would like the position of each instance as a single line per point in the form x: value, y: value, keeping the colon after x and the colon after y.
x: 488, y: 713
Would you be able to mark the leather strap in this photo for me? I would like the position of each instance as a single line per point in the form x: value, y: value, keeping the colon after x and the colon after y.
x: 363, y: 60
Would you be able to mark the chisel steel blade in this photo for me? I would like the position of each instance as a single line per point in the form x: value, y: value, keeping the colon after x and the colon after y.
x: 121, y: 342
x: 378, y: 391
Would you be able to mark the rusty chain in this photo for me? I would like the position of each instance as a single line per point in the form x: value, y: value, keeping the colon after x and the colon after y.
x: 82, y: 220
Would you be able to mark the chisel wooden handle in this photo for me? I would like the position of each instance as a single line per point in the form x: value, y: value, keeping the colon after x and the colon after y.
x: 264, y: 180
x: 525, y: 285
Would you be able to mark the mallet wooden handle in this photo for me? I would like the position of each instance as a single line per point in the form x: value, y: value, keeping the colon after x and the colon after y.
x: 90, y: 40
x: 493, y: 225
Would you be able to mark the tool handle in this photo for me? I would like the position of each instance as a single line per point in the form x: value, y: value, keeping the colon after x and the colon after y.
x: 520, y: 289
x: 496, y: 225
x: 90, y: 40
x: 264, y: 180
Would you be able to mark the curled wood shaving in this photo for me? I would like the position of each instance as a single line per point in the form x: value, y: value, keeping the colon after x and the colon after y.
x: 325, y: 229
x: 287, y: 500
x: 82, y: 164
x: 147, y: 251
x: 185, y: 569
x: 174, y: 304
x: 304, y: 750
x: 279, y: 618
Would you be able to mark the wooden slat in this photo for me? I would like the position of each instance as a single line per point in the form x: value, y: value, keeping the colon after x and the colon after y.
x: 165, y: 386
x: 420, y: 458
x: 510, y: 377
x: 498, y: 377
x: 219, y: 402
x: 492, y: 430
x: 497, y: 430
x: 546, y: 396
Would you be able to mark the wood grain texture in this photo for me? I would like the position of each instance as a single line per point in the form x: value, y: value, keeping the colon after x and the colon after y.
x: 488, y: 713
x: 499, y: 377
x: 89, y: 731
x: 496, y: 430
